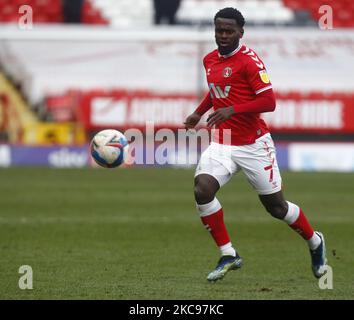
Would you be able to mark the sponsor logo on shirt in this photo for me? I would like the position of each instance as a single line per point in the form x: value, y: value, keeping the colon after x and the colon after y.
x: 219, y: 92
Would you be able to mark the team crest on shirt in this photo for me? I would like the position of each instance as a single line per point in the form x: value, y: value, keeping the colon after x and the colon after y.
x: 227, y: 72
x: 264, y: 76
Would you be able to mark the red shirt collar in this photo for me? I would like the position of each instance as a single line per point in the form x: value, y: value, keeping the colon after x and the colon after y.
x: 231, y: 53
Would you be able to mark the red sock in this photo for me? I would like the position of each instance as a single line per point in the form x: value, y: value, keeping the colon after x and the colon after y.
x: 215, y: 224
x: 302, y: 226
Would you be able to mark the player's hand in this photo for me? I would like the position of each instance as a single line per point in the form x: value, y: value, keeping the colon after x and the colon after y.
x: 192, y: 120
x: 220, y: 115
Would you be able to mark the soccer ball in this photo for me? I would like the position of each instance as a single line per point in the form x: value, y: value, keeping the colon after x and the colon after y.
x: 109, y: 148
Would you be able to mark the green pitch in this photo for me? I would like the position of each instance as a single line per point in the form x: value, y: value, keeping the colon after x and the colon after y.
x: 135, y: 234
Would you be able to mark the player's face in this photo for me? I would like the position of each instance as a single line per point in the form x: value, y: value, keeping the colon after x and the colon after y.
x: 227, y: 35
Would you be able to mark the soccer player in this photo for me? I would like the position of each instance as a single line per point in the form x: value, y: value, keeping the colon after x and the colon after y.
x: 239, y: 90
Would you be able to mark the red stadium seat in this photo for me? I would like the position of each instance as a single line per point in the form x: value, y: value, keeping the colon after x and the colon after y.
x: 91, y: 15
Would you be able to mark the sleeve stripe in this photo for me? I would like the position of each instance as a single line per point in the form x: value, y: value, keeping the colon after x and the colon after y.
x: 263, y: 89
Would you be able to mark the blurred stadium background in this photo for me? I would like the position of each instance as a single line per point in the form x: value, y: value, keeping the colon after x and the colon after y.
x: 86, y: 65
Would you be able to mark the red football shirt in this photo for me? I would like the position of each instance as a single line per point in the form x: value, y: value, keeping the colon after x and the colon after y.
x: 234, y: 79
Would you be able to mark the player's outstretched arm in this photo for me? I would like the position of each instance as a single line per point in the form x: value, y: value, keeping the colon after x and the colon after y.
x: 264, y: 102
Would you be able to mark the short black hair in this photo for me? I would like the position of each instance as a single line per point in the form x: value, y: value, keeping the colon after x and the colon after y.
x: 231, y: 13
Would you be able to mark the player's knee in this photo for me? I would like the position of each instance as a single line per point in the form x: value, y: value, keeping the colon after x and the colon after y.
x: 278, y: 210
x: 203, y: 194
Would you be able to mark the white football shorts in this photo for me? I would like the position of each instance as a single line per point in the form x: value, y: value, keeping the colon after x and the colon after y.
x: 257, y: 161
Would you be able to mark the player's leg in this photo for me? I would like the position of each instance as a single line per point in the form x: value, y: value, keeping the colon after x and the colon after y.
x: 293, y: 215
x: 212, y: 216
x: 211, y: 212
x: 210, y: 175
x: 289, y: 212
x: 263, y: 173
